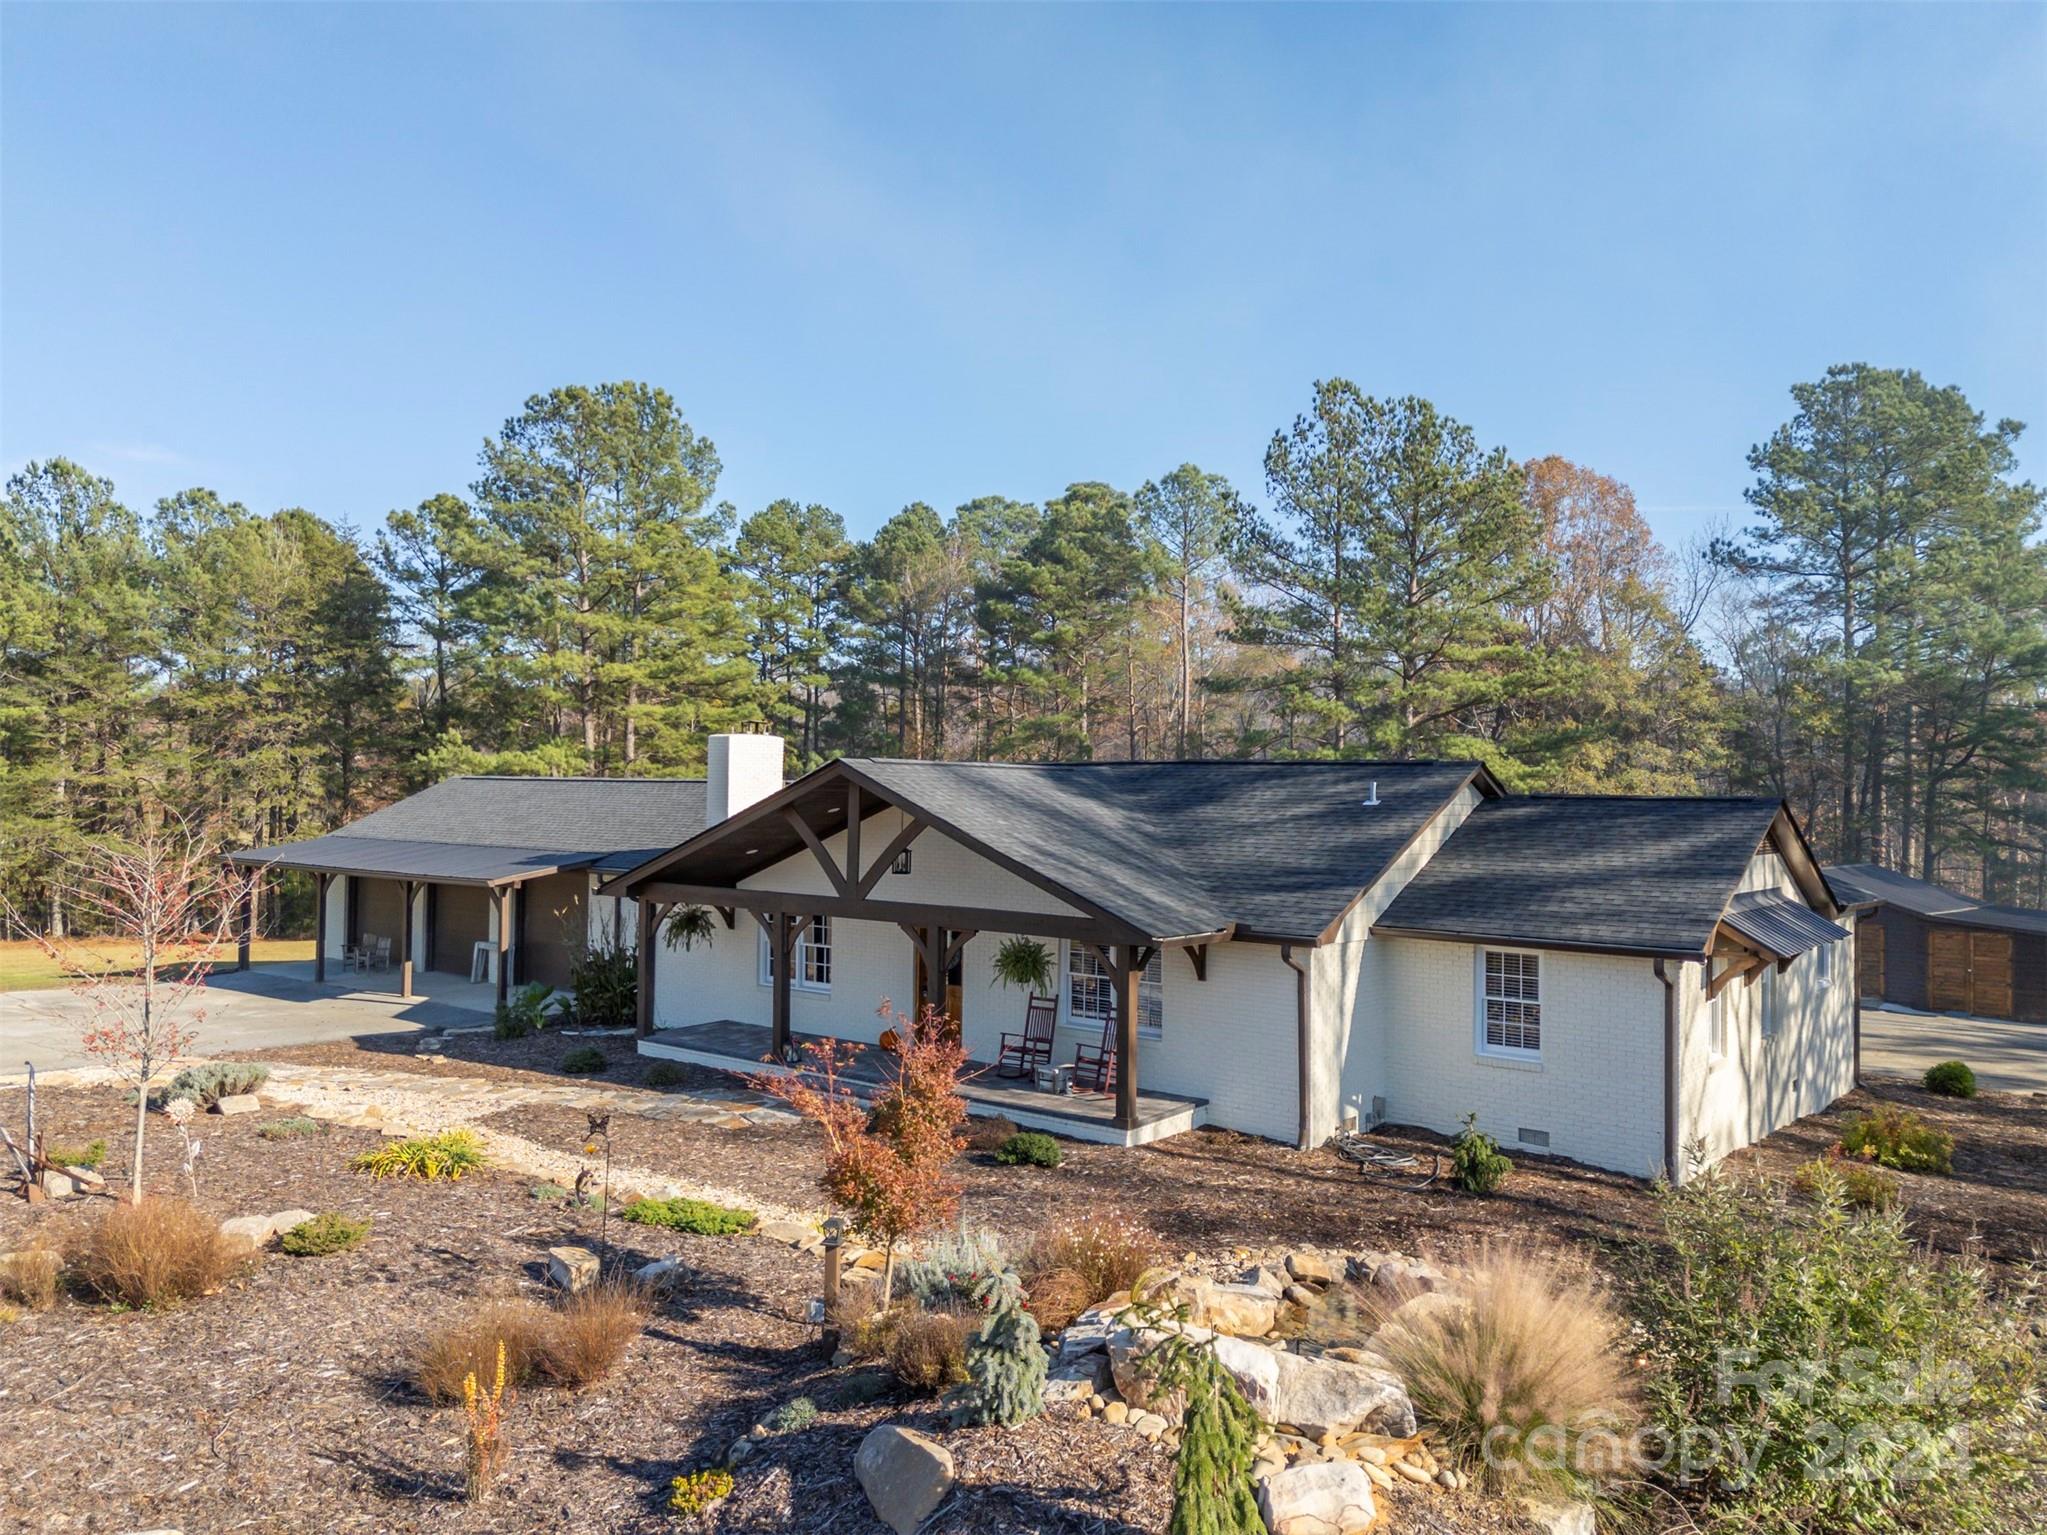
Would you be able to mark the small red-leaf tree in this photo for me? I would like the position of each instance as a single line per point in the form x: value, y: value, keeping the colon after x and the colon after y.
x: 888, y: 1163
x: 170, y: 896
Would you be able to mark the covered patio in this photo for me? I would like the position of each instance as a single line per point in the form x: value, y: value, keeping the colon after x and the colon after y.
x: 729, y: 1045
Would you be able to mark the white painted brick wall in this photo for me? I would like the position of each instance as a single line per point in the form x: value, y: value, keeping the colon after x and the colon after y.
x: 1598, y: 1090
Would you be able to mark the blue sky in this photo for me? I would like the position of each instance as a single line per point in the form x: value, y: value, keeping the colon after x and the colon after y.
x: 312, y: 255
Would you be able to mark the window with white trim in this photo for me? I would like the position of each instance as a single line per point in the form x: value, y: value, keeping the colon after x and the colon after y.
x: 1824, y: 975
x: 1716, y: 1024
x: 813, y: 968
x: 1091, y: 995
x: 1772, y: 1003
x: 1510, y: 1004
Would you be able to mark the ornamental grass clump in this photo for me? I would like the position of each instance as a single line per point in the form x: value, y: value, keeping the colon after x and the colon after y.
x: 154, y: 1253
x: 925, y: 1350
x: 448, y: 1155
x: 1521, y: 1371
x: 1102, y: 1249
x: 472, y: 1343
x: 1809, y: 1368
x: 586, y: 1335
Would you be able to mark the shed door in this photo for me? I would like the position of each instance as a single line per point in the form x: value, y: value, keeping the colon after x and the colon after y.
x: 1947, y: 969
x: 1990, y: 974
x: 461, y: 921
x: 1869, y: 959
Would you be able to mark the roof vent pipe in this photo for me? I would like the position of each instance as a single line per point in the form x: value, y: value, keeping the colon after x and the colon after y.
x: 1372, y: 799
x: 742, y: 770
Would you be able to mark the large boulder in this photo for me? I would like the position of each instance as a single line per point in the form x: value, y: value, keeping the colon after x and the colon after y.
x: 238, y: 1103
x: 1079, y: 1380
x: 1255, y: 1369
x: 262, y: 1230
x: 904, y: 1474
x: 1318, y: 1498
x: 1309, y: 1268
x: 1320, y: 1395
x: 1560, y: 1518
x: 1132, y: 1365
x: 571, y: 1268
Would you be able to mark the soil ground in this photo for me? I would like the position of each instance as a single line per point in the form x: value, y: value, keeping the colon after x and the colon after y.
x: 282, y: 1402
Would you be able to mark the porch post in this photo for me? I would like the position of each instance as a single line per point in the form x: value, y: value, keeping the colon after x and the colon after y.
x: 643, y: 962
x: 782, y: 936
x: 405, y: 942
x: 934, y: 967
x: 1124, y: 973
x: 248, y: 924
x: 320, y: 883
x: 504, y: 904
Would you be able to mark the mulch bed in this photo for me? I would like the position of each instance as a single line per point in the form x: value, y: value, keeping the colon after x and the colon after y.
x: 281, y: 1403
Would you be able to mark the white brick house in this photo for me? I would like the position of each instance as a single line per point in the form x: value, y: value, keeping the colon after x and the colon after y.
x: 1277, y: 948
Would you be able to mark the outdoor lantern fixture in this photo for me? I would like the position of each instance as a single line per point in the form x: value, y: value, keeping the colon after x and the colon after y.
x: 902, y: 863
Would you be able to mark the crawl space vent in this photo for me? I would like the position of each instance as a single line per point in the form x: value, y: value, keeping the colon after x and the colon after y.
x: 1533, y: 1137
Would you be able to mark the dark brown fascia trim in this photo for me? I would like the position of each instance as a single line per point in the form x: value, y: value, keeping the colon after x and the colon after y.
x: 1806, y: 870
x: 915, y: 913
x: 249, y: 862
x: 1508, y: 941
x: 759, y: 810
x: 1488, y: 786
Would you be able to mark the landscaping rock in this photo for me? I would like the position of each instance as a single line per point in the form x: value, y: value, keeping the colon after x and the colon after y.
x: 238, y: 1103
x: 571, y: 1268
x: 58, y: 1184
x: 1319, y: 1498
x: 1300, y: 1295
x: 904, y: 1474
x: 1130, y: 1352
x: 1149, y: 1424
x: 1243, y: 1310
x: 661, y: 1274
x: 1310, y: 1268
x: 1270, y: 1280
x: 1080, y: 1381
x: 1561, y: 1518
x: 1116, y: 1411
x: 1088, y: 1334
x: 867, y: 1260
x: 1255, y: 1369
x: 1320, y: 1395
x: 261, y: 1230
x: 790, y: 1234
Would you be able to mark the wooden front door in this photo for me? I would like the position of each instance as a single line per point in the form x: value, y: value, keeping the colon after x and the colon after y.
x: 954, y: 994
x: 1968, y: 971
x: 1869, y: 959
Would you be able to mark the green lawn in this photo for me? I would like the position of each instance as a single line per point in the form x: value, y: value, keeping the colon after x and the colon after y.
x: 24, y: 967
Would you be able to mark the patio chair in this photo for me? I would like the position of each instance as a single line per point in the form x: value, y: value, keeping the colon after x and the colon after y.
x: 379, y: 956
x: 356, y: 956
x: 1094, y: 1066
x: 1021, y: 1054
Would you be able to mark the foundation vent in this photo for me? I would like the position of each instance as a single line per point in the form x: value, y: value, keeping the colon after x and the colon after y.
x: 1533, y: 1137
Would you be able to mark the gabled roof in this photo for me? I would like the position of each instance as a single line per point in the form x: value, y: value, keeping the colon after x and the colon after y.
x: 1867, y: 883
x: 487, y: 829
x: 1274, y: 850
x: 1619, y: 874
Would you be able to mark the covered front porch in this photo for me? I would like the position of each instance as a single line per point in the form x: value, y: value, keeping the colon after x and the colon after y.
x: 730, y: 1045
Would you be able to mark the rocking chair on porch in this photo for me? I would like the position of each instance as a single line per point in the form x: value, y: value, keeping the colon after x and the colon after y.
x: 1021, y: 1054
x: 1094, y: 1066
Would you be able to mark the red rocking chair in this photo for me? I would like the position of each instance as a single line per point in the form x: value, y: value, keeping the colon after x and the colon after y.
x: 1094, y: 1066
x: 1021, y: 1054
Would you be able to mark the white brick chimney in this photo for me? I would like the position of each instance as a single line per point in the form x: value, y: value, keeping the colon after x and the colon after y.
x: 743, y: 770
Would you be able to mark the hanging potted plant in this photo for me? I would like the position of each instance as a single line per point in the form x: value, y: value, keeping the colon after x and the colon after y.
x: 1024, y: 962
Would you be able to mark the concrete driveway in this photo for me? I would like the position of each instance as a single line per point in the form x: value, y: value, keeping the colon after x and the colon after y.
x: 2006, y: 1057
x: 244, y: 1010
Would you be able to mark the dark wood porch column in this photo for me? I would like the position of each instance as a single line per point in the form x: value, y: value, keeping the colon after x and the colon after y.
x: 935, y: 967
x: 405, y: 942
x: 320, y: 884
x: 247, y: 935
x: 643, y: 961
x: 504, y: 966
x: 784, y: 939
x: 1125, y: 970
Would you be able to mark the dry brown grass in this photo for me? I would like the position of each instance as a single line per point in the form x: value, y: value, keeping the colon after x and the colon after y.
x: 1522, y: 1372
x: 588, y: 1333
x: 469, y: 1346
x: 1057, y: 1296
x: 927, y: 1350
x: 28, y: 1277
x: 1105, y: 1250
x: 155, y: 1253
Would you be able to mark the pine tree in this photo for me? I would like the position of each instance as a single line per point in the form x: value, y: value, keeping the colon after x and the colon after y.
x: 1212, y: 1490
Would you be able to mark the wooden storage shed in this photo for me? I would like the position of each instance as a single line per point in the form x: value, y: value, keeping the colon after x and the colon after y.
x: 1922, y: 945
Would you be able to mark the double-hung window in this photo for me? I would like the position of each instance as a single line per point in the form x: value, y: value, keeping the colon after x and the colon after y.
x: 813, y: 968
x: 1091, y: 994
x: 1510, y: 1004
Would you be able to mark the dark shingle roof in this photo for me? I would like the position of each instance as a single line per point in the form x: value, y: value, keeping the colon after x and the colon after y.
x: 482, y: 828
x: 1281, y: 849
x: 1620, y: 873
x: 1873, y: 882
